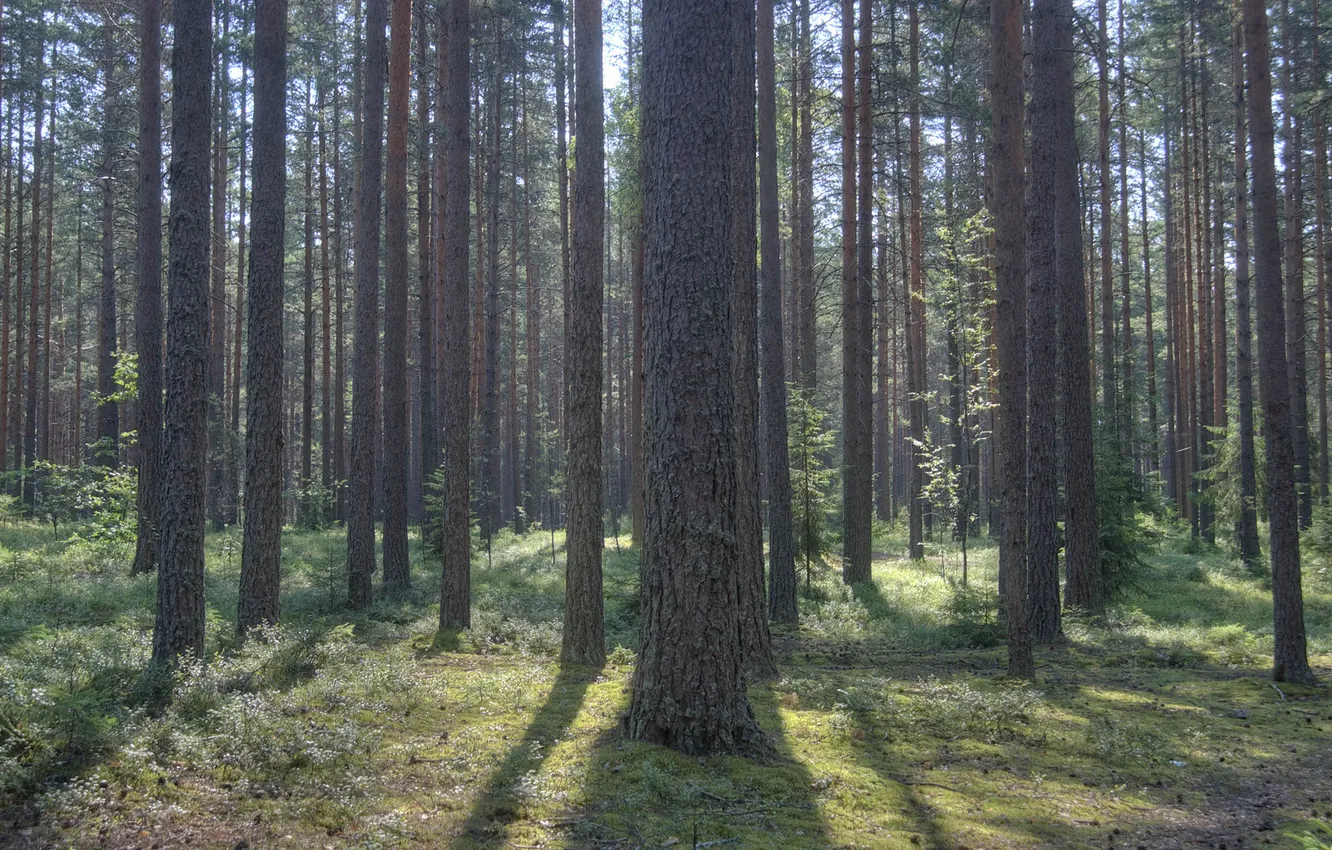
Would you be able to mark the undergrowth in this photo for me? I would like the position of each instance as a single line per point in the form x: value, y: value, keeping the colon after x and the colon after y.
x: 893, y: 724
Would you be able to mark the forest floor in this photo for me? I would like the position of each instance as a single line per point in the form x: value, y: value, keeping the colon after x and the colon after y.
x: 893, y: 723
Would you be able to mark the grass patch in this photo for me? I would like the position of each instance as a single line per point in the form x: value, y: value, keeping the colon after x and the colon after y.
x: 892, y: 726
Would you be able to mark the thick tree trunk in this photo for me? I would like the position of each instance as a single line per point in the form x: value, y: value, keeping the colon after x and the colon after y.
x: 179, y: 629
x: 365, y: 372
x: 1290, y: 657
x: 782, y: 606
x: 148, y: 309
x: 689, y: 684
x: 396, y: 445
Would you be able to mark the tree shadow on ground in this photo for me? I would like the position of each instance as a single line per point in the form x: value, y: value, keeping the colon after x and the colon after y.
x: 501, y: 802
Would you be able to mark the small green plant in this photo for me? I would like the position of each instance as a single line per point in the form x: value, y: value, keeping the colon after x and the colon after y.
x: 1308, y: 840
x: 811, y: 479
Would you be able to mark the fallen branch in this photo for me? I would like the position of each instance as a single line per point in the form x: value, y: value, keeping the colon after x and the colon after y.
x: 1278, y: 690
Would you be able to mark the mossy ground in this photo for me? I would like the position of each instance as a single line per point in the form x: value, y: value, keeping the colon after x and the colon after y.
x: 893, y: 725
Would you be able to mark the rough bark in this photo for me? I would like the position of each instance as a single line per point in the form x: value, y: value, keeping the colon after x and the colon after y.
x: 1010, y: 302
x: 1085, y: 585
x: 108, y: 411
x: 396, y: 445
x: 1043, y: 284
x: 782, y: 606
x: 455, y: 599
x: 1107, y: 358
x: 179, y: 628
x: 148, y: 308
x: 857, y: 270
x: 915, y: 342
x: 1290, y: 656
x: 584, y: 630
x: 755, y: 639
x: 365, y: 377
x: 261, y: 548
x: 689, y: 684
x: 219, y: 450
x: 428, y: 368
x: 1246, y: 531
x: 1292, y: 125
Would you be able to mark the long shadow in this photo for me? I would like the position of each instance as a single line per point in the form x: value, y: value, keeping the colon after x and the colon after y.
x: 500, y: 804
x: 765, y: 702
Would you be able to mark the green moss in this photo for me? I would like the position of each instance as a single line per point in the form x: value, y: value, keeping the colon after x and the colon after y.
x: 892, y: 727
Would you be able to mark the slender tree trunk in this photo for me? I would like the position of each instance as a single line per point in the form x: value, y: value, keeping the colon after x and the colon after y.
x: 1292, y: 153
x: 148, y: 310
x: 807, y: 375
x: 1043, y: 284
x: 325, y: 320
x: 584, y: 640
x: 1246, y: 531
x: 1107, y: 359
x: 1320, y: 265
x: 396, y: 445
x: 1290, y: 657
x: 1127, y: 425
x: 340, y: 313
x: 307, y: 503
x: 1085, y: 587
x: 179, y: 629
x: 7, y: 283
x: 488, y: 306
x: 218, y: 439
x: 44, y: 415
x: 108, y: 413
x: 1010, y: 299
x: 455, y: 600
x: 425, y: 247
x: 755, y: 639
x: 915, y: 308
x: 781, y: 543
x: 261, y: 551
x: 238, y: 337
x: 1149, y: 335
x: 34, y: 295
x: 857, y: 270
x: 365, y: 372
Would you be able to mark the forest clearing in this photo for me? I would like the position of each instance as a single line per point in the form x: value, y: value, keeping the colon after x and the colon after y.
x: 892, y: 723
